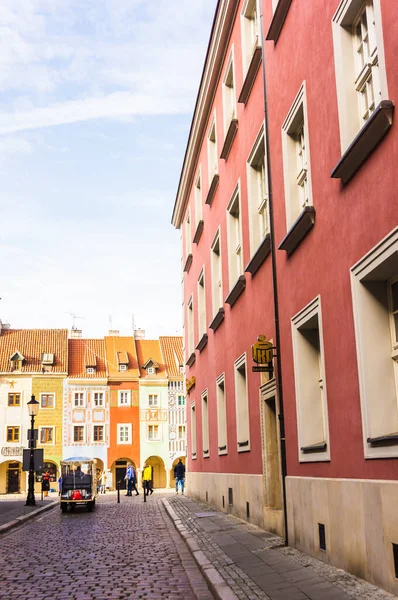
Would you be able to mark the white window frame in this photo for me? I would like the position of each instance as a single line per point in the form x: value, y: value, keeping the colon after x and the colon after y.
x: 242, y: 408
x: 82, y: 401
x: 181, y: 432
x: 229, y: 92
x: 150, y: 371
x: 84, y: 440
x: 102, y: 404
x: 310, y: 385
x: 47, y: 394
x: 212, y: 151
x: 198, y: 197
x: 153, y: 400
x: 205, y: 423
x: 234, y: 237
x: 128, y: 429
x: 90, y: 370
x: 120, y: 395
x: 258, y: 192
x: 216, y: 273
x: 348, y: 78
x: 190, y: 326
x: 249, y: 24
x: 123, y: 367
x: 159, y: 432
x: 41, y: 428
x: 188, y: 234
x: 297, y: 177
x: 376, y: 355
x: 193, y: 430
x: 222, y: 425
x: 92, y: 434
x: 202, y: 323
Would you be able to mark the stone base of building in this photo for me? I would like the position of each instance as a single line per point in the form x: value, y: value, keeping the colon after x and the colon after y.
x: 239, y: 494
x: 360, y: 525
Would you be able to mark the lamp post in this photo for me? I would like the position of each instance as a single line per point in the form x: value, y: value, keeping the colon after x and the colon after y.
x: 33, y: 408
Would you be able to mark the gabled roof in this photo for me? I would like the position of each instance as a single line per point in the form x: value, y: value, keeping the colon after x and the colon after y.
x: 32, y: 344
x: 173, y: 356
x: 81, y: 350
x: 150, y: 350
x: 17, y: 356
x: 120, y: 350
x: 150, y: 363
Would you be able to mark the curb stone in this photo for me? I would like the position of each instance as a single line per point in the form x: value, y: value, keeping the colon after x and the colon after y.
x: 217, y: 584
x: 20, y: 520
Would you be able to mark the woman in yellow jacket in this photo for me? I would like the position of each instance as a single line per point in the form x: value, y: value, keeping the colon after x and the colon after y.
x: 147, y: 479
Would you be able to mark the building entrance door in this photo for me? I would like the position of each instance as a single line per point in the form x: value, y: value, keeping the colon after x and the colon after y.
x: 13, y: 474
x: 120, y: 474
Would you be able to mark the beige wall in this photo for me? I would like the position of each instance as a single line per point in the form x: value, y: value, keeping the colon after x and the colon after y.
x: 361, y: 524
x: 246, y: 488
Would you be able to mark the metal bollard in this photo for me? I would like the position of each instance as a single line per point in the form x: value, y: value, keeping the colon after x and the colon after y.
x: 118, y: 492
x: 144, y: 492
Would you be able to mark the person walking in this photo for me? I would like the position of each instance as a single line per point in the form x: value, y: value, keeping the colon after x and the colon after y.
x: 129, y: 478
x: 45, y: 483
x: 134, y: 482
x: 179, y: 474
x: 147, y: 479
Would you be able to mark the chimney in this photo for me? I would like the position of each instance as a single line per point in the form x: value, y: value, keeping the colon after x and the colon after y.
x: 76, y: 333
x: 113, y: 332
x: 139, y: 334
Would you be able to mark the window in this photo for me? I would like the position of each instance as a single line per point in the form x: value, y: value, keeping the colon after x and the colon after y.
x: 122, y: 367
x: 190, y: 327
x: 257, y: 193
x: 249, y: 28
x: 235, y: 259
x: 14, y: 399
x: 310, y: 384
x: 124, y: 397
x: 79, y: 399
x: 188, y: 235
x: 150, y: 371
x: 47, y: 359
x: 202, y: 325
x: 181, y: 432
x: 193, y: 430
x: 90, y: 370
x: 13, y: 434
x: 47, y: 435
x: 99, y: 399
x: 153, y: 400
x: 78, y: 433
x: 374, y: 282
x: 229, y: 96
x: 124, y: 433
x: 221, y: 415
x: 181, y: 401
x: 153, y: 433
x: 198, y: 199
x: 242, y: 405
x: 359, y: 64
x: 47, y: 400
x: 296, y: 162
x: 98, y: 433
x: 212, y: 151
x: 216, y: 273
x: 205, y: 424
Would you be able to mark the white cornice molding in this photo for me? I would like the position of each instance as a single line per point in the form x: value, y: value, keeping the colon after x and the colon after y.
x: 222, y: 29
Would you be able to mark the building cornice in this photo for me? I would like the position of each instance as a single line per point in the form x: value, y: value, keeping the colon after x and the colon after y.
x: 219, y: 39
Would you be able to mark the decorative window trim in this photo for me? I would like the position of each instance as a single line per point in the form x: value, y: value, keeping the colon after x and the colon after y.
x: 119, y: 397
x: 243, y: 445
x: 212, y: 189
x: 82, y: 441
x: 14, y: 403
x: 299, y: 230
x: 250, y: 77
x: 278, y: 19
x: 103, y: 432
x: 223, y: 449
x: 259, y: 256
x: 84, y: 400
x: 236, y: 291
x: 41, y: 400
x: 41, y: 428
x: 202, y: 343
x: 218, y: 319
x: 129, y: 434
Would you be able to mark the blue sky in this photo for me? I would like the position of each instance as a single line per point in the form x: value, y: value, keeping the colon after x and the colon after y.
x: 96, y: 101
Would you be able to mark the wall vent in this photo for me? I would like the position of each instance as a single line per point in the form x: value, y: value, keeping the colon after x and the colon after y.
x: 395, y: 553
x: 223, y: 501
x: 230, y: 497
x: 322, y: 537
x: 207, y: 497
x: 247, y: 510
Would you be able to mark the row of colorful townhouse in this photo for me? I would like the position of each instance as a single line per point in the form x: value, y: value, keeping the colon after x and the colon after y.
x: 118, y: 399
x: 287, y: 206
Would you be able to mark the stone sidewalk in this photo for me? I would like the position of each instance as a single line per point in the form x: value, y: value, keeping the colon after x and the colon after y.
x: 247, y: 562
x: 13, y: 511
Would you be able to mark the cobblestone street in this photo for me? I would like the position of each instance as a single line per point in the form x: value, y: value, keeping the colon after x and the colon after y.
x: 120, y: 551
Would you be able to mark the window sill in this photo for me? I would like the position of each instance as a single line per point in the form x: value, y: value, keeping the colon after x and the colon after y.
x: 198, y: 232
x: 321, y: 447
x: 193, y: 455
x: 222, y: 450
x: 212, y: 189
x: 250, y: 76
x: 206, y: 454
x: 188, y: 263
x: 202, y: 342
x: 218, y: 319
x: 390, y: 439
x: 365, y: 142
x: 191, y: 359
x: 236, y: 291
x: 229, y: 139
x: 278, y: 19
x: 303, y: 224
x: 244, y: 446
x: 260, y: 255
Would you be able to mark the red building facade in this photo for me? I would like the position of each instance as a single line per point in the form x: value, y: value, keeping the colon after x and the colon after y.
x: 289, y: 229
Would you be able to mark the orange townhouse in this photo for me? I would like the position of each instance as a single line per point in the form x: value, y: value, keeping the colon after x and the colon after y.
x: 123, y: 377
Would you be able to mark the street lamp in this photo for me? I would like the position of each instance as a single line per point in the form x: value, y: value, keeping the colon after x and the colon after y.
x: 33, y: 408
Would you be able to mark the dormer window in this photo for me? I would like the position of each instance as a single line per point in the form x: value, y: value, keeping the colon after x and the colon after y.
x: 47, y: 358
x: 122, y: 367
x: 90, y: 370
x: 16, y: 361
x: 150, y: 367
x: 122, y: 360
x: 150, y: 371
x: 181, y: 369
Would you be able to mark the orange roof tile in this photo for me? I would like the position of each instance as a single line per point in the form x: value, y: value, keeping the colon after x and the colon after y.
x: 150, y: 349
x: 32, y: 344
x: 118, y: 349
x: 173, y: 356
x: 78, y: 350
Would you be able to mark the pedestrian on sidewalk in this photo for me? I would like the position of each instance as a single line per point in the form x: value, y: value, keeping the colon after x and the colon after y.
x: 103, y: 482
x: 45, y: 483
x: 147, y: 479
x: 59, y: 485
x: 179, y: 474
x: 134, y: 482
x: 129, y: 478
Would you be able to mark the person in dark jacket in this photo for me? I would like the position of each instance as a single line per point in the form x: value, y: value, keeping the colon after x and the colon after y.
x: 179, y: 474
